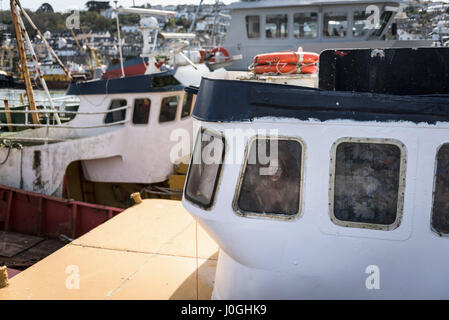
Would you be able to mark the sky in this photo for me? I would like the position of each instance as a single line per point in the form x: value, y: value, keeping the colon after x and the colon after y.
x: 64, y: 5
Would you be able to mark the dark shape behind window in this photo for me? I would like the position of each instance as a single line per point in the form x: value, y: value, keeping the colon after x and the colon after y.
x: 116, y: 116
x: 141, y: 112
x: 186, y: 105
x: 366, y: 184
x: 440, y: 210
x: 305, y: 25
x: 205, y: 168
x: 335, y: 24
x: 253, y: 26
x: 359, y: 27
x: 276, y: 26
x: 272, y: 193
x: 169, y: 106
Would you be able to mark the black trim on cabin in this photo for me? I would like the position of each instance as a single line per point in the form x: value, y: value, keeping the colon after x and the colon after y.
x: 160, y: 82
x: 234, y: 100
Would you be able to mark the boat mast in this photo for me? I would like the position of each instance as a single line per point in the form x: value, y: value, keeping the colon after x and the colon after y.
x: 195, y: 17
x: 23, y: 62
x: 119, y: 39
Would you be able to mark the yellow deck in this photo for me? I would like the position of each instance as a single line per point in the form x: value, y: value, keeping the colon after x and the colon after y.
x: 154, y: 250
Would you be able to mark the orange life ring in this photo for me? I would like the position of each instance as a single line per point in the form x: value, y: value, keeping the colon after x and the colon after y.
x: 286, y: 68
x: 286, y: 57
x: 287, y: 62
x: 217, y: 49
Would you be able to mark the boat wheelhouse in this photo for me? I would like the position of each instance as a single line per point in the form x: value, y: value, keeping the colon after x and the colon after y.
x: 332, y: 193
x: 277, y: 25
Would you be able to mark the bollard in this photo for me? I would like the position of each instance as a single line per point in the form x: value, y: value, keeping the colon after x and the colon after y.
x: 136, y: 197
x: 3, y: 277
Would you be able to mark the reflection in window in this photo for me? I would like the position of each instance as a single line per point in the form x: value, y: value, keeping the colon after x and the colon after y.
x: 205, y: 167
x: 366, y: 186
x: 440, y: 211
x: 335, y: 24
x: 116, y: 115
x: 379, y: 28
x: 169, y: 106
x: 276, y: 26
x: 253, y: 26
x: 305, y: 25
x: 359, y: 27
x: 186, y: 105
x: 141, y: 111
x: 275, y: 191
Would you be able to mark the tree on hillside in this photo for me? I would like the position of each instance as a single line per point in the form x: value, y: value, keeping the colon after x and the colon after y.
x: 45, y: 7
x: 97, y: 6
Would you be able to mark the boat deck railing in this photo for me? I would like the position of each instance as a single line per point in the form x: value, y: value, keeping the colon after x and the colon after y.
x: 47, y: 120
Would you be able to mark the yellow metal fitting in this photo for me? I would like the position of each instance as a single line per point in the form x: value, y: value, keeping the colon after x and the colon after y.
x: 136, y: 197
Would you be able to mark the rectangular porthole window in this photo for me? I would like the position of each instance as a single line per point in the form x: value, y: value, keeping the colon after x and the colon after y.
x: 335, y: 24
x: 169, y: 106
x: 305, y: 25
x: 367, y: 183
x: 205, y: 167
x: 276, y: 26
x: 187, y: 105
x: 141, y: 111
x: 271, y: 181
x: 440, y: 210
x: 253, y: 26
x: 116, y: 116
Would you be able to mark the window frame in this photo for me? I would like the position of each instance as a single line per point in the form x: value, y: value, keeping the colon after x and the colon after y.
x: 134, y: 109
x: 246, y: 26
x: 110, y: 113
x: 317, y: 24
x: 216, y: 134
x: 160, y: 109
x: 348, y: 24
x: 401, y: 188
x: 281, y: 217
x: 287, y: 24
x: 191, y: 106
x: 435, y: 168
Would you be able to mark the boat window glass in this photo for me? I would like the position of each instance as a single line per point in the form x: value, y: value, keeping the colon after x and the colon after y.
x: 164, y: 81
x: 116, y: 116
x: 440, y: 210
x: 169, y: 107
x: 205, y: 167
x: 253, y: 26
x: 335, y: 24
x: 271, y: 179
x: 305, y: 25
x: 141, y: 112
x: 276, y: 26
x: 379, y: 28
x: 359, y: 27
x: 187, y: 105
x: 367, y: 185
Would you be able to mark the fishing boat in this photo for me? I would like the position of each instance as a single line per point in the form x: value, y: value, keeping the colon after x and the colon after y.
x: 336, y: 192
x: 276, y: 25
x: 95, y: 152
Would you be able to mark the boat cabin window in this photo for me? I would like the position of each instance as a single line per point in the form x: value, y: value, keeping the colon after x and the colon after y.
x: 276, y: 26
x: 440, y: 210
x: 271, y: 179
x: 119, y: 115
x: 164, y: 81
x: 141, y: 112
x: 205, y: 167
x: 187, y: 105
x: 384, y: 19
x: 335, y: 24
x: 169, y: 106
x: 253, y: 26
x: 305, y: 25
x: 367, y: 184
x: 359, y: 27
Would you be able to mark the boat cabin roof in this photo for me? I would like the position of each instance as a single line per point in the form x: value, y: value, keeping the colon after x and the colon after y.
x: 289, y: 3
